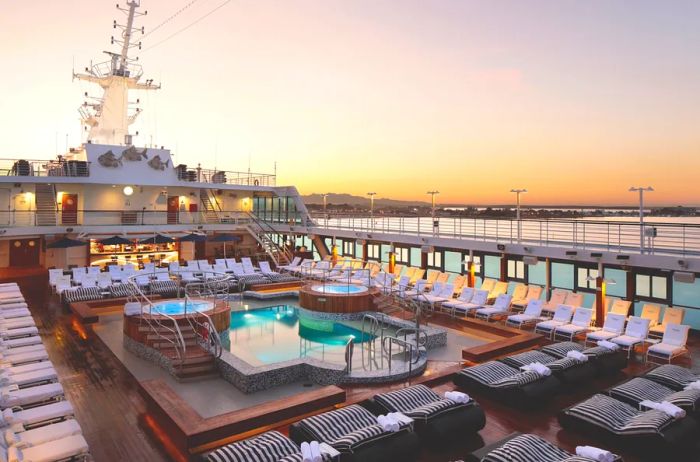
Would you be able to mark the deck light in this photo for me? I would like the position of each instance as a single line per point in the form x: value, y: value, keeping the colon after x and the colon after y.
x: 128, y: 190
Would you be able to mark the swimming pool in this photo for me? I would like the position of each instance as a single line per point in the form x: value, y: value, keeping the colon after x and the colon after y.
x: 276, y: 334
x: 339, y: 289
x: 177, y: 307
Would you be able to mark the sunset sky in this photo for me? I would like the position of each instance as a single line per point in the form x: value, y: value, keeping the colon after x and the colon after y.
x: 574, y: 100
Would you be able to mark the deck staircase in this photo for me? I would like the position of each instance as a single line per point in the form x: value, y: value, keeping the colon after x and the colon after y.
x: 46, y: 208
x: 210, y: 206
x: 263, y: 232
x: 196, y: 362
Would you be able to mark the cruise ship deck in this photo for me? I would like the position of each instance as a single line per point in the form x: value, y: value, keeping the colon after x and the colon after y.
x: 117, y: 422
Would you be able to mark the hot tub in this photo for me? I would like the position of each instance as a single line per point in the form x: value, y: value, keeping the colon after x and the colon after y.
x: 339, y: 289
x: 177, y: 307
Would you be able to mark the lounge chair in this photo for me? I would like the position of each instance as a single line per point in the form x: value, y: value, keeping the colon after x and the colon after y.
x: 635, y: 334
x: 464, y: 297
x: 652, y: 433
x: 437, y: 420
x: 410, y: 271
x: 558, y: 297
x: 580, y: 323
x: 19, y: 342
x: 605, y: 360
x: 42, y: 435
x: 652, y: 313
x: 500, y: 288
x: 419, y: 288
x: 355, y: 433
x: 534, y: 292
x: 567, y: 369
x: 417, y: 275
x: 519, y: 293
x: 531, y: 316
x: 28, y: 379
x: 499, y: 309
x: 507, y: 383
x: 14, y: 314
x: 67, y: 448
x: 613, y: 327
x: 37, y: 416
x: 270, y: 446
x: 459, y: 282
x: 672, y: 315
x: 672, y: 345
x: 24, y: 355
x: 574, y: 299
x: 519, y: 447
x: 11, y: 331
x: 478, y: 301
x: 8, y: 324
x: 488, y: 284
x: 562, y: 316
x: 30, y: 396
x: 266, y: 271
x: 673, y: 376
x: 621, y: 307
x: 444, y: 294
x: 638, y: 389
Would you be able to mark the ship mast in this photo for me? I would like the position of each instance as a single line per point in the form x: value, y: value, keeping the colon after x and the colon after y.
x: 108, y: 117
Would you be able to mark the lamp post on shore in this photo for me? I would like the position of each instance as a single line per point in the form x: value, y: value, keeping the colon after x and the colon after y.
x: 325, y: 204
x: 432, y: 211
x: 371, y: 209
x: 641, y: 190
x: 517, y: 208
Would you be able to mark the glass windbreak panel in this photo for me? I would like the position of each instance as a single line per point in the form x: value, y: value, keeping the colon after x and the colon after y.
x: 453, y: 262
x: 685, y: 294
x: 385, y: 249
x: 619, y: 289
x: 491, y: 267
x: 658, y: 287
x: 415, y: 256
x: 643, y: 285
x: 435, y: 259
x: 329, y: 243
x: 563, y: 275
x: 536, y: 274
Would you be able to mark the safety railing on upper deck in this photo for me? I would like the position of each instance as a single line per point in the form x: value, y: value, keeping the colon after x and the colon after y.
x: 22, y: 218
x: 48, y: 168
x: 204, y: 175
x: 614, y: 235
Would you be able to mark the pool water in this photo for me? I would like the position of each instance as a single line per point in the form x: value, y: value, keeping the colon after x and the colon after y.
x: 276, y: 334
x: 172, y: 308
x: 339, y: 289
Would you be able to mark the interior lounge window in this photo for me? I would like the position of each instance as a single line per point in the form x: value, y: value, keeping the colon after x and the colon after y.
x: 516, y: 269
x: 373, y: 252
x: 651, y: 286
x: 435, y: 260
x: 583, y: 275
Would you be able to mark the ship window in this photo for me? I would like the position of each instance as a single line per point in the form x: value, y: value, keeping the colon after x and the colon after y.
x: 373, y: 252
x: 516, y: 270
x: 583, y: 274
x: 435, y: 260
x: 649, y: 286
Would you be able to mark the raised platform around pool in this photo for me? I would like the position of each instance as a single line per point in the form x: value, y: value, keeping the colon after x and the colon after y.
x: 314, y: 297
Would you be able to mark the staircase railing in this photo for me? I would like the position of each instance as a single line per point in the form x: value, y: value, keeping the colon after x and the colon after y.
x: 156, y: 323
x: 263, y: 231
x: 214, y: 286
x: 208, y: 201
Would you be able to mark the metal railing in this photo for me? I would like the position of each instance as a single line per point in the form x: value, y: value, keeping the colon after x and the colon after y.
x: 262, y: 231
x: 204, y: 175
x: 608, y: 235
x: 156, y: 323
x: 23, y: 218
x: 49, y: 168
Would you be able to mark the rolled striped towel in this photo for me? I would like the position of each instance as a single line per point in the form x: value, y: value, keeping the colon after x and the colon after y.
x: 609, y: 345
x: 597, y: 454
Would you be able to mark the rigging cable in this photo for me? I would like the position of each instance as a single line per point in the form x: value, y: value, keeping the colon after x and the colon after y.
x: 173, y: 16
x: 186, y: 27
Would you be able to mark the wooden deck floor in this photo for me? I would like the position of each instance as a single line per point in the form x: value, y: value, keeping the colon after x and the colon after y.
x: 112, y: 412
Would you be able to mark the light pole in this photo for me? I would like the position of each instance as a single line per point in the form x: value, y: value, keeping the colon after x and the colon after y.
x: 371, y: 209
x: 325, y: 204
x: 517, y: 208
x: 432, y: 210
x: 641, y: 190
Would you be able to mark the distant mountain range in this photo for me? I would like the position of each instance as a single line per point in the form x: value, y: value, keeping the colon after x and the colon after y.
x: 349, y: 199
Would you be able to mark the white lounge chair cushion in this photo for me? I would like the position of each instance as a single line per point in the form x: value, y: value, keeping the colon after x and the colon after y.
x: 549, y: 325
x: 601, y: 335
x: 490, y: 311
x: 14, y: 370
x: 18, y: 331
x: 626, y: 340
x: 42, y: 434
x: 63, y: 448
x: 19, y: 342
x: 17, y: 323
x: 666, y: 349
x: 37, y: 414
x: 521, y: 318
x: 570, y: 328
x: 18, y: 313
x: 31, y: 395
x: 26, y: 378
